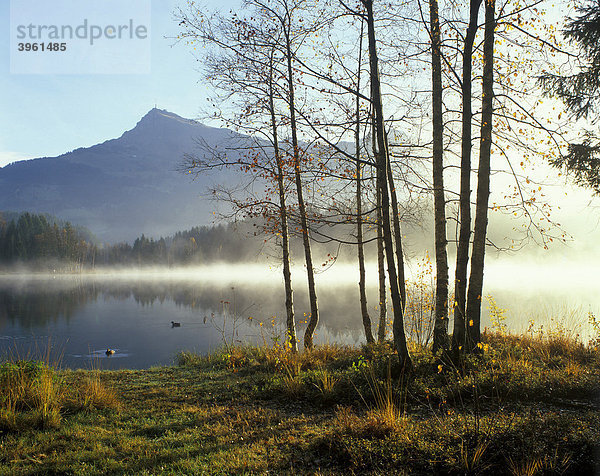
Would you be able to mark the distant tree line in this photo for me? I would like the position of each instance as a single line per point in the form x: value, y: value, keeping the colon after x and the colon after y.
x: 42, y: 240
x: 200, y: 244
x: 30, y: 237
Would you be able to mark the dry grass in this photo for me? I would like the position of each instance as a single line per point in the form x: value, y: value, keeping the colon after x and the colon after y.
x: 389, y: 406
x: 31, y: 394
x: 275, y: 358
x: 547, y: 464
x: 34, y: 394
x: 472, y: 460
x: 91, y: 394
x: 292, y: 386
x: 328, y: 354
x: 544, y: 347
x: 345, y: 419
x: 376, y: 422
x: 325, y: 383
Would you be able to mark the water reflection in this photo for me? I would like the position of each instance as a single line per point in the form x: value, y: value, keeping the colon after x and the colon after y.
x: 85, y: 316
x: 33, y: 304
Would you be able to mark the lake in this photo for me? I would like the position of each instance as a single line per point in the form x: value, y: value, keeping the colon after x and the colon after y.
x: 80, y: 316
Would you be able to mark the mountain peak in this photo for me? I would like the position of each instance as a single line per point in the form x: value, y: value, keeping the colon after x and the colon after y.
x: 159, y: 125
x: 156, y: 114
x: 122, y: 187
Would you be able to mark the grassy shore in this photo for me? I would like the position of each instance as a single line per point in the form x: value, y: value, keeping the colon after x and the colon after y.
x: 530, y: 405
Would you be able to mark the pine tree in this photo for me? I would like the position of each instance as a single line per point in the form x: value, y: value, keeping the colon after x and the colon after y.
x: 581, y: 94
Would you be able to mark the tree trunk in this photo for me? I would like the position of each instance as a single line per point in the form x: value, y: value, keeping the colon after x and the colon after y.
x: 285, y: 241
x: 287, y: 275
x: 381, y: 330
x: 359, y: 219
x: 312, y: 294
x: 483, y: 183
x: 464, y: 237
x: 397, y: 235
x: 440, y: 329
x: 381, y: 159
x: 361, y: 261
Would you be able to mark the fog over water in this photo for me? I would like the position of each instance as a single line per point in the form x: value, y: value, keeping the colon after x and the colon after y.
x: 131, y: 311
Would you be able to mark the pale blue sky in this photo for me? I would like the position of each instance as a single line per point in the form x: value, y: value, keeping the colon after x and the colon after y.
x: 47, y: 115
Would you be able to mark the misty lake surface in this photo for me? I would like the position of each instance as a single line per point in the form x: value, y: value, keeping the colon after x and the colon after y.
x: 82, y: 316
x: 79, y: 317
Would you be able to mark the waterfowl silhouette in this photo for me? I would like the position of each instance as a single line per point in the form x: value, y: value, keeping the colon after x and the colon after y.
x: 109, y: 352
x: 175, y: 324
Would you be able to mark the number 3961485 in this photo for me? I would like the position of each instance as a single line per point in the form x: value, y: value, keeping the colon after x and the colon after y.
x: 42, y: 46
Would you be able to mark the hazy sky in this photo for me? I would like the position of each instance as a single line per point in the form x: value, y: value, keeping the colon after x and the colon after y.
x: 47, y: 115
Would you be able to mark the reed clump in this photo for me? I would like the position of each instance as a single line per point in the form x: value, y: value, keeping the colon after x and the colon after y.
x: 30, y: 395
x: 33, y: 394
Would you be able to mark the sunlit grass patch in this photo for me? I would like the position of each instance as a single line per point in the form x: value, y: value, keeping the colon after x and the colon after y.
x: 511, y: 367
x: 272, y: 358
x: 90, y: 393
x: 539, y: 364
x: 291, y: 386
x: 192, y: 359
x: 325, y: 383
x: 389, y: 399
x: 331, y: 355
x: 547, y: 464
x: 31, y: 394
x: 35, y: 395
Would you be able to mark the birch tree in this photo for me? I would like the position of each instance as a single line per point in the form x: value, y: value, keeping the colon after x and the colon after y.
x: 243, y: 62
x: 385, y: 180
